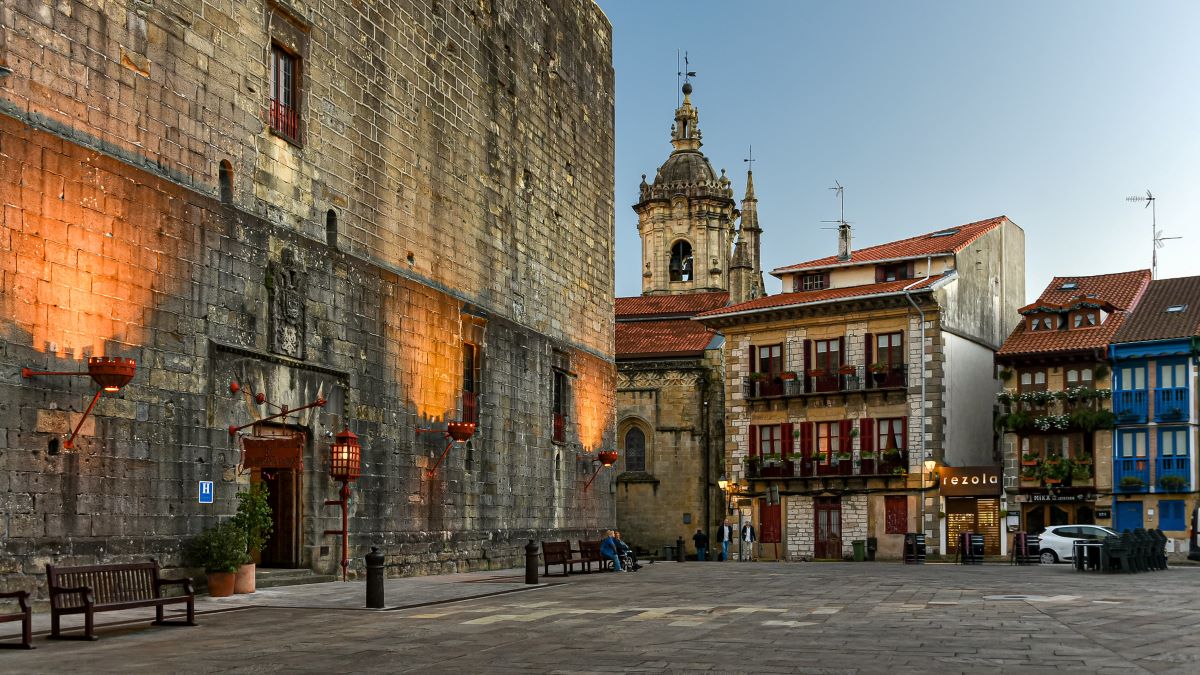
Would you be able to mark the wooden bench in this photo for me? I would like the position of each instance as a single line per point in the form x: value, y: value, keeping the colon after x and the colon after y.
x: 590, y: 552
x: 101, y: 588
x: 25, y: 616
x: 560, y: 553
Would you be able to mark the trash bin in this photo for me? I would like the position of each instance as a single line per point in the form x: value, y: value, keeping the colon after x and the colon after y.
x: 668, y: 552
x: 872, y: 547
x: 860, y: 550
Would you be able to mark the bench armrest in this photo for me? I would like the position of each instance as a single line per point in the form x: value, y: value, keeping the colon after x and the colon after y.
x: 84, y: 591
x: 21, y: 596
x: 186, y: 583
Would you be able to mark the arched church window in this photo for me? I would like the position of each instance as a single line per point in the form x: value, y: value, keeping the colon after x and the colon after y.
x: 681, y: 261
x: 635, y: 450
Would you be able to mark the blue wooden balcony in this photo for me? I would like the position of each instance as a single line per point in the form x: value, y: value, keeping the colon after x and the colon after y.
x: 1178, y: 468
x: 1130, y: 406
x: 1171, y: 404
x: 1131, y: 474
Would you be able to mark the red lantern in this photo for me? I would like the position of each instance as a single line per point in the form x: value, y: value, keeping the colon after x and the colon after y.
x: 345, y: 457
x: 607, y: 457
x: 111, y: 373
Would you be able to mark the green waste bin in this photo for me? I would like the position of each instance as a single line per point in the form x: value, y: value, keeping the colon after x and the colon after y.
x: 860, y: 550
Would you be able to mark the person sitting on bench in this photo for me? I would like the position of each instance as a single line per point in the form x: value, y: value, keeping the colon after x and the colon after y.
x: 608, y: 549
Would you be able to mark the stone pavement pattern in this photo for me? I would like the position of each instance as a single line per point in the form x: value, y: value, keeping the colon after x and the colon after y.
x: 759, y: 618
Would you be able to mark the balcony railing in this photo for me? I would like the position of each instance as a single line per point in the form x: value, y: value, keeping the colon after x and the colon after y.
x: 470, y: 411
x: 1171, y: 404
x: 808, y: 467
x: 847, y: 379
x: 285, y: 120
x: 1131, y: 474
x: 1180, y: 470
x: 1130, y: 406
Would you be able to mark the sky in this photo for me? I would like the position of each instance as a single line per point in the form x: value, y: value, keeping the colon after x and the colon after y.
x: 930, y: 114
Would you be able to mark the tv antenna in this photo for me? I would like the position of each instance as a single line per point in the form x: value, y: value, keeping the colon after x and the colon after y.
x: 681, y: 73
x: 841, y: 197
x: 1156, y: 235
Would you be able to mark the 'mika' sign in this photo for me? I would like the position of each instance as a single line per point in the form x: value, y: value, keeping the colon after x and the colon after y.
x: 970, y: 481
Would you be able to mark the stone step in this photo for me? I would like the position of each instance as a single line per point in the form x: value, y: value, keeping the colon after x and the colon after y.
x: 272, y: 578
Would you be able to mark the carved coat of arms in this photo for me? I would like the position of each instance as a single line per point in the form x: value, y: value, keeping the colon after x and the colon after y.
x: 287, y: 284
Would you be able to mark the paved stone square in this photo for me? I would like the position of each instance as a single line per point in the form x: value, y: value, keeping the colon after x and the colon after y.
x: 714, y: 617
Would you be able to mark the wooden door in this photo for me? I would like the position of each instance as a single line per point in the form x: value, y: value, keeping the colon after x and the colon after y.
x: 828, y: 528
x: 283, y: 548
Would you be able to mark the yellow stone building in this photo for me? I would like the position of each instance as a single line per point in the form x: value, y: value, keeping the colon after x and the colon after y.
x: 871, y: 364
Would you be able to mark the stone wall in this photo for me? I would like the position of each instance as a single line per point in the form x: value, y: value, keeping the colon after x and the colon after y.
x: 465, y: 153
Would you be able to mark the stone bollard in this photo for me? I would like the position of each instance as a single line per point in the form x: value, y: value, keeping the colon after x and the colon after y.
x: 375, y: 579
x: 531, y: 562
x: 679, y: 553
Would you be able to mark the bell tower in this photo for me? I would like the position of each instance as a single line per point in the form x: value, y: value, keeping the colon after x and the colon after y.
x: 686, y: 216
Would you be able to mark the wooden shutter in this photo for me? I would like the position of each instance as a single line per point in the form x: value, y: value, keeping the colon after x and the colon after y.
x: 753, y: 440
x: 788, y: 444
x: 880, y: 274
x: 808, y: 355
x: 868, y: 349
x: 841, y: 351
x: 825, y: 279
x: 806, y: 439
x: 904, y: 432
x: 844, y: 427
x: 866, y: 434
x: 754, y: 359
x: 911, y: 270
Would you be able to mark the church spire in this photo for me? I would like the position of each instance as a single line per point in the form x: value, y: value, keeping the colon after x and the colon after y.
x: 750, y: 232
x: 685, y: 133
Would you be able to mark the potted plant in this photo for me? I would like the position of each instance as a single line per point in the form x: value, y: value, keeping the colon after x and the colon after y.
x: 1030, y: 459
x: 816, y: 372
x: 898, y: 471
x: 846, y: 370
x: 253, y: 517
x: 772, y: 459
x: 1173, y: 483
x: 1172, y: 414
x: 1100, y: 372
x: 752, y: 465
x: 787, y: 375
x: 821, y: 457
x: 758, y: 377
x: 220, y: 550
x: 1081, y: 473
x: 1132, y: 483
x: 1006, y: 374
x: 844, y: 456
x: 879, y: 372
x: 1030, y: 473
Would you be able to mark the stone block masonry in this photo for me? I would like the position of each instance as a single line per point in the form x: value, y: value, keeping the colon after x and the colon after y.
x: 452, y: 183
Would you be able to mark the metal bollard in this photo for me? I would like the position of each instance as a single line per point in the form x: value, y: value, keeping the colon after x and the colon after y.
x: 531, y: 562
x: 375, y: 579
x: 679, y: 550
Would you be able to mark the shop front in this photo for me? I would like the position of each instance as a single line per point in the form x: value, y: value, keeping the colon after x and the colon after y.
x: 1066, y: 506
x: 971, y: 497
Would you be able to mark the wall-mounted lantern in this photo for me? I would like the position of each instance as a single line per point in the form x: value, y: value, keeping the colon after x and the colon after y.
x: 456, y: 432
x: 731, y: 490
x: 110, y: 373
x: 604, y: 459
x: 345, y: 465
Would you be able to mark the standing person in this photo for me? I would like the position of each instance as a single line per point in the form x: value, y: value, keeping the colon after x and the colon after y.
x: 701, y: 541
x: 624, y: 549
x: 608, y: 549
x: 748, y: 539
x: 725, y: 536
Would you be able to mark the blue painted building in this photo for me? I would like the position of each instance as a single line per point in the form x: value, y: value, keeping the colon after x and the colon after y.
x: 1154, y: 359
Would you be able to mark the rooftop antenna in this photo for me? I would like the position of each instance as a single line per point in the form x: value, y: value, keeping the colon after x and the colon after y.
x: 1156, y: 238
x: 841, y: 196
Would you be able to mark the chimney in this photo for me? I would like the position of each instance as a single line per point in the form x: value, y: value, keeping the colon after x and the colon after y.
x: 844, y: 241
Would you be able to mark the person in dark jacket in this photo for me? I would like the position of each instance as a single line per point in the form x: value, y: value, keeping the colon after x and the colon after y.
x: 725, y: 536
x: 624, y: 549
x: 749, y: 536
x: 701, y: 541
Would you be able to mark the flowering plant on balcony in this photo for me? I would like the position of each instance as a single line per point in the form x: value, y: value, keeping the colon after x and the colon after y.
x: 867, y: 454
x: 1030, y: 459
x: 787, y: 375
x: 1132, y: 483
x: 1171, y: 414
x: 757, y: 377
x: 1091, y: 420
x: 1052, y: 422
x: 772, y: 459
x: 879, y: 367
x: 1006, y: 397
x: 1039, y: 398
x: 1173, y: 483
x: 821, y: 456
x: 816, y: 372
x: 846, y: 370
x: 795, y: 457
x: 844, y: 456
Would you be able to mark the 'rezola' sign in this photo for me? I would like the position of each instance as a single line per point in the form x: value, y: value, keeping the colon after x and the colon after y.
x: 970, y: 481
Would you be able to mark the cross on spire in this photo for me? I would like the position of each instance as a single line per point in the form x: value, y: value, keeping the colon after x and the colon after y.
x: 751, y: 159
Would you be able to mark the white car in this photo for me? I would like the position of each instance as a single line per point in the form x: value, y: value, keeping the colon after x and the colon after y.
x: 1058, y: 540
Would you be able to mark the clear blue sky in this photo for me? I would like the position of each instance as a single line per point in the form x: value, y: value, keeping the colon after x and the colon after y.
x: 931, y: 114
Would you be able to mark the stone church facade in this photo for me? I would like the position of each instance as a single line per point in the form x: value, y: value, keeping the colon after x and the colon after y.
x: 699, y: 253
x: 361, y: 203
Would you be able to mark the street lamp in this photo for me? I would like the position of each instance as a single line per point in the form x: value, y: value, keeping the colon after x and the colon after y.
x: 345, y: 465
x: 110, y: 373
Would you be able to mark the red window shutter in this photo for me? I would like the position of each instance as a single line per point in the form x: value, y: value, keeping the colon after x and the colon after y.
x: 841, y: 351
x: 903, y: 433
x: 754, y: 359
x: 868, y: 348
x: 753, y: 441
x: 806, y: 439
x: 880, y: 274
x: 866, y: 434
x: 808, y: 355
x: 911, y: 270
x: 844, y: 427
x: 789, y: 445
x: 825, y: 280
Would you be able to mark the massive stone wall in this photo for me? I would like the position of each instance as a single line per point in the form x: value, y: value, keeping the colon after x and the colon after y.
x: 465, y: 151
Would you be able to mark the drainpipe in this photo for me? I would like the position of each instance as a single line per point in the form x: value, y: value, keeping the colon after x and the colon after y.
x: 703, y: 382
x: 908, y: 296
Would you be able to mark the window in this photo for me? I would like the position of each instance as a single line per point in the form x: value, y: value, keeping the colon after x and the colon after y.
x: 331, y: 228
x: 681, y: 261
x: 829, y: 356
x: 285, y: 99
x: 1068, y: 286
x: 1035, y: 323
x: 895, y: 508
x: 770, y: 360
x: 561, y: 392
x: 1132, y: 378
x: 889, y: 349
x: 635, y: 450
x: 1079, y: 377
x: 944, y: 233
x: 1133, y: 444
x: 890, y: 434
x: 1033, y: 380
x: 1172, y: 376
x: 1171, y: 515
x: 895, y: 272
x: 812, y: 282
x: 769, y: 441
x: 1173, y: 442
x: 225, y: 181
x: 470, y: 388
x: 827, y: 440
x: 1175, y: 309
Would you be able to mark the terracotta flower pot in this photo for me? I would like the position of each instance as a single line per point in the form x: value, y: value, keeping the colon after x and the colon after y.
x: 244, y: 582
x: 220, y: 584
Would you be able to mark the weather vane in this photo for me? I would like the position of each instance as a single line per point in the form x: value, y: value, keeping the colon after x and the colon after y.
x: 681, y: 73
x: 751, y: 159
x: 1156, y: 238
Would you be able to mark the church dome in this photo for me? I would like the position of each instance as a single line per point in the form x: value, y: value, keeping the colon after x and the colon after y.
x: 687, y: 167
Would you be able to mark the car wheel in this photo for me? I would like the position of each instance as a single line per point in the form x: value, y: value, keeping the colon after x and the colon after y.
x: 1049, y: 557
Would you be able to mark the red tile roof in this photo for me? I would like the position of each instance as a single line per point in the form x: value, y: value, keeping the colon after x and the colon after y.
x: 670, y: 305
x: 1121, y: 290
x: 826, y: 295
x: 913, y: 247
x: 669, y: 337
x: 1152, y: 321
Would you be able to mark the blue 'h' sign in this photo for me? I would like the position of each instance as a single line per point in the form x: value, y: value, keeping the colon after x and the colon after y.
x: 206, y: 492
